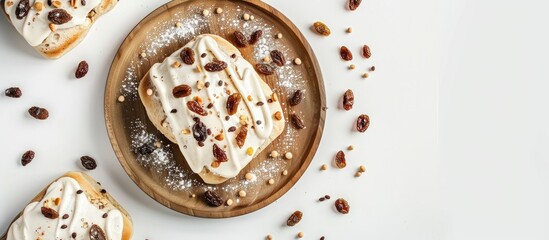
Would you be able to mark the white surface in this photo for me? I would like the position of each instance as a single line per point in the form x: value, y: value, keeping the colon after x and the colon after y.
x: 457, y: 148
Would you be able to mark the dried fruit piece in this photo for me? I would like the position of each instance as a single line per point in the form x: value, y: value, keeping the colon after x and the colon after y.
x: 187, y: 55
x: 348, y: 100
x: 296, y: 98
x: 22, y: 9
x: 366, y: 51
x: 278, y: 58
x: 88, y: 162
x: 27, y: 157
x: 254, y: 38
x: 340, y: 160
x: 362, y: 123
x: 240, y: 39
x: 296, y: 120
x: 322, y: 29
x: 182, y: 90
x: 265, y: 68
x: 345, y: 54
x: 219, y: 154
x: 49, y: 213
x: 294, y: 218
x: 342, y: 206
x: 232, y: 103
x: 215, y: 66
x: 241, y: 136
x: 195, y: 107
x: 59, y: 16
x: 353, y: 4
x: 213, y: 199
x: 200, y: 131
x: 96, y: 233
x: 39, y: 113
x: 82, y: 69
x: 13, y: 92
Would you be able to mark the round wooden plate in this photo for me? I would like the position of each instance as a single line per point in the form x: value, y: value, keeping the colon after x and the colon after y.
x: 167, y: 29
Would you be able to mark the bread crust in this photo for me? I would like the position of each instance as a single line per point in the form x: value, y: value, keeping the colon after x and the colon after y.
x: 92, y: 189
x: 157, y: 115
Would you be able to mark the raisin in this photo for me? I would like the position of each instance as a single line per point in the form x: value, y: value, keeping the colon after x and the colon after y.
x: 322, y: 29
x: 187, y: 55
x: 39, y: 113
x: 265, y: 68
x: 362, y: 123
x: 88, y: 162
x: 296, y: 98
x: 342, y: 206
x: 232, y: 129
x: 254, y: 38
x: 213, y: 199
x: 215, y: 66
x: 345, y: 54
x: 353, y: 4
x: 348, y: 100
x: 83, y: 2
x: 241, y: 136
x: 200, y: 131
x: 366, y: 51
x: 59, y: 16
x: 219, y: 154
x: 240, y: 39
x: 96, y: 233
x: 13, y: 92
x: 294, y: 218
x: 340, y: 160
x: 49, y: 213
x: 195, y: 107
x: 278, y: 58
x: 232, y: 103
x: 298, y: 123
x: 145, y: 149
x: 49, y: 2
x: 81, y: 70
x: 182, y: 90
x: 22, y: 9
x: 27, y: 157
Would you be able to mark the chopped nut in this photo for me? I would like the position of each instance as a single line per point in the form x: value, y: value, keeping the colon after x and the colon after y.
x: 271, y: 181
x: 176, y: 64
x: 324, y: 167
x: 285, y: 172
x: 121, y: 98
x: 157, y: 144
x: 279, y: 35
x: 351, y: 148
x: 218, y: 10
x: 206, y: 12
x: 362, y: 168
x: 56, y: 4
x: 297, y: 61
x: 198, y: 99
x: 249, y: 176
x: 193, y: 196
x: 149, y: 92
x: 197, y: 69
x: 143, y: 55
x: 358, y: 174
x: 52, y: 27
x: 57, y: 201
x: 242, y: 193
x: 349, y: 30
x: 300, y: 235
x: 9, y: 3
x: 274, y: 97
x: 352, y: 66
x: 186, y: 131
x: 269, y: 237
x: 38, y: 6
x: 288, y: 155
x: 250, y: 151
x: 365, y: 75
x: 200, y: 84
x: 250, y: 98
x: 274, y: 154
x: 246, y: 17
x: 215, y: 164
x: 179, y: 24
x: 229, y: 202
x: 220, y: 137
x: 266, y: 59
x: 278, y: 115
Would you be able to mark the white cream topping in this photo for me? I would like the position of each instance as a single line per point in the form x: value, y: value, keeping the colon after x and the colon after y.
x: 240, y: 77
x: 32, y: 224
x: 35, y: 26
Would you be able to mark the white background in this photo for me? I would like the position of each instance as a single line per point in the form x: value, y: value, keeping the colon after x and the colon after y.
x: 457, y: 148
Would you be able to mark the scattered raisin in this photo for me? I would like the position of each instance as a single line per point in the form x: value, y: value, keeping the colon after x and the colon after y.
x: 173, y: 111
x: 83, y: 2
x: 203, y: 55
x: 231, y: 129
x: 200, y: 131
x: 241, y: 136
x: 362, y: 123
x: 182, y: 90
x: 254, y: 38
x: 195, y: 107
x: 353, y: 4
x: 213, y: 199
x: 232, y: 103
x: 345, y: 54
x: 348, y: 100
x: 39, y: 113
x: 296, y: 98
x: 322, y: 29
x: 82, y: 69
x: 59, y: 16
x: 294, y: 218
x: 49, y: 213
x: 65, y: 216
x: 22, y: 9
x: 215, y: 66
x: 340, y: 160
x: 366, y: 51
x: 240, y: 39
x: 27, y: 157
x: 219, y: 154
x: 342, y: 206
x: 88, y: 162
x: 13, y: 92
x: 187, y: 55
x: 265, y: 68
x: 278, y: 58
x: 96, y: 233
x: 298, y: 123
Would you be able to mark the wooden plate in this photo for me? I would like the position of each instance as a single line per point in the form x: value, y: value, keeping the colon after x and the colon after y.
x: 168, y: 180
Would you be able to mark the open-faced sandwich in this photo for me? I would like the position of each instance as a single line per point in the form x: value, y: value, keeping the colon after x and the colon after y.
x: 210, y: 101
x: 72, y: 207
x: 54, y: 27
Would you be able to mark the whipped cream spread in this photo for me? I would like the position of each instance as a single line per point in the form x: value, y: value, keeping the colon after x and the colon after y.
x: 35, y: 25
x: 62, y: 197
x: 239, y: 76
